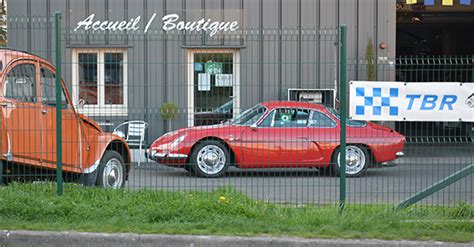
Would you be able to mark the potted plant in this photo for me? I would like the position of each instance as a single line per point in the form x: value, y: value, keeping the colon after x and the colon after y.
x: 169, y: 111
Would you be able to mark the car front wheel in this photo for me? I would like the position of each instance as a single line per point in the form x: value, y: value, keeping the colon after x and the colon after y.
x: 357, y: 161
x: 210, y: 159
x: 111, y: 170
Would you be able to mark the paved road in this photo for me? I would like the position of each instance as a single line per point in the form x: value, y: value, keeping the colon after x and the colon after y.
x: 422, y: 166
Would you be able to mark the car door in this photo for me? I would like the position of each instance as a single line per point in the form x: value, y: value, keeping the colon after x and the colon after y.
x: 21, y: 113
x: 280, y: 140
x: 324, y: 133
x: 71, y: 138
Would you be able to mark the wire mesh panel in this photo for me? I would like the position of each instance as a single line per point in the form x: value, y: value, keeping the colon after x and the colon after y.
x: 216, y: 106
x: 27, y: 105
x: 251, y: 109
x: 211, y: 119
x: 433, y: 151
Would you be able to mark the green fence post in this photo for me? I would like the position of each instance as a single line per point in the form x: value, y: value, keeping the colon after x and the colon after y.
x: 59, y: 148
x: 342, y: 105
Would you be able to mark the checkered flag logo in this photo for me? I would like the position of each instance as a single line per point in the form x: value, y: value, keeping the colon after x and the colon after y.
x: 376, y: 101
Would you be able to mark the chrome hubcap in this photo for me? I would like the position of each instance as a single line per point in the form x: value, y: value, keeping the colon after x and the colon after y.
x: 211, y: 159
x: 355, y: 160
x: 113, y: 174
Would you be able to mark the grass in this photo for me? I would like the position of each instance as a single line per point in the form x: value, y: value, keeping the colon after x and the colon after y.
x: 221, y: 212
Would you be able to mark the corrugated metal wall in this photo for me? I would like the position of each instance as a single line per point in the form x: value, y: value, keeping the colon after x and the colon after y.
x: 274, y: 56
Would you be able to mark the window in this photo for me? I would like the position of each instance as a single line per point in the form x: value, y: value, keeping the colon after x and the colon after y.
x: 286, y: 118
x: 113, y: 79
x: 321, y: 120
x: 100, y: 79
x: 88, y: 78
x: 48, y: 88
x: 21, y: 83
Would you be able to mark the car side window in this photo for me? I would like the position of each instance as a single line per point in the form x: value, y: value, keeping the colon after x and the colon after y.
x: 21, y: 83
x: 321, y: 120
x: 48, y: 88
x: 287, y: 118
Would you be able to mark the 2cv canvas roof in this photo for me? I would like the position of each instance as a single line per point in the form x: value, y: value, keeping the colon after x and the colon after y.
x: 8, y: 55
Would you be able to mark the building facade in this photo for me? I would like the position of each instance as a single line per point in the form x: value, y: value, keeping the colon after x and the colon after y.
x: 124, y: 58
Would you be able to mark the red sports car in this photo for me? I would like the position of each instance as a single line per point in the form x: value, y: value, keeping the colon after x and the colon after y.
x: 279, y: 134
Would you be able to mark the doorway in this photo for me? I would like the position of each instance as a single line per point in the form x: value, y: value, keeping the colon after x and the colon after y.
x: 433, y: 45
x: 213, y: 86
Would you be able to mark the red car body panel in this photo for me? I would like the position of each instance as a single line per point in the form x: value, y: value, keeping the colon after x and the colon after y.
x: 270, y: 147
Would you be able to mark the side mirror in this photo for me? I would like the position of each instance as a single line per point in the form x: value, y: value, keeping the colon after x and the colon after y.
x: 253, y: 126
x: 82, y: 102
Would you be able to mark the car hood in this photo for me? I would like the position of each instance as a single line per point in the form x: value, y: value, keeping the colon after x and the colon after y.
x: 205, y: 127
x: 208, y: 128
x: 198, y: 132
x: 90, y: 122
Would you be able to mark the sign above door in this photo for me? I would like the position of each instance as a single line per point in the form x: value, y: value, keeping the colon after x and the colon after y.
x: 169, y: 22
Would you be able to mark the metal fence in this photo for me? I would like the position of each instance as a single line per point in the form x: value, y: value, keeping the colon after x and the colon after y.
x: 166, y: 82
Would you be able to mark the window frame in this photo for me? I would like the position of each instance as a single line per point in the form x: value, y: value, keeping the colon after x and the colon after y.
x: 272, y: 113
x: 100, y: 109
x: 64, y: 93
x: 13, y: 66
x: 326, y: 127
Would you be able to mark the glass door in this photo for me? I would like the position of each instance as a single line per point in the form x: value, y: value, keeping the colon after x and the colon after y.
x: 213, y: 87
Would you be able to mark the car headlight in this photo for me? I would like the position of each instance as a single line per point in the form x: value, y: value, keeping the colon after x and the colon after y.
x: 171, y: 145
x: 169, y: 134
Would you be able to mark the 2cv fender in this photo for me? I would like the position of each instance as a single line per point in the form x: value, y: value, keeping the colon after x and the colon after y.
x: 108, y: 161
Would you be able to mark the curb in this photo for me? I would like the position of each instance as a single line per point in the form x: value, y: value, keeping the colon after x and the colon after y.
x: 47, y: 238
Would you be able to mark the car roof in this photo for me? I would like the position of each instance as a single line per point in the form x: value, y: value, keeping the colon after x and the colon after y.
x: 292, y: 104
x: 7, y: 55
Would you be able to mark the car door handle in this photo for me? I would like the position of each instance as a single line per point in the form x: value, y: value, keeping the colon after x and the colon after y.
x: 4, y: 104
x: 233, y: 138
x: 44, y: 111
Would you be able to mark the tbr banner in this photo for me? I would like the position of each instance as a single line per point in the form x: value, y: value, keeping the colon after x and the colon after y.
x: 411, y: 101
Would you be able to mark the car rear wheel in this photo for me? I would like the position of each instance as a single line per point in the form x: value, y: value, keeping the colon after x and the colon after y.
x: 111, y: 171
x: 210, y: 159
x: 357, y: 161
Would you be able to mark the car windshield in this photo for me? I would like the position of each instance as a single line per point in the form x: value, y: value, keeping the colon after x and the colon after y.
x: 349, y: 122
x: 250, y: 116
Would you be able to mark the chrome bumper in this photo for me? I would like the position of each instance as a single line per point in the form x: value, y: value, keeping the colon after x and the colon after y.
x: 392, y: 163
x: 156, y: 156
